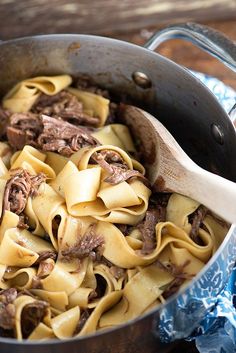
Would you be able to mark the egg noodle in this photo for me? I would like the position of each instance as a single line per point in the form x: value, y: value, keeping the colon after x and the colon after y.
x: 96, y: 270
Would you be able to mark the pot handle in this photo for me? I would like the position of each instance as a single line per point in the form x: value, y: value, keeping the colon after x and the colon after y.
x: 206, y: 38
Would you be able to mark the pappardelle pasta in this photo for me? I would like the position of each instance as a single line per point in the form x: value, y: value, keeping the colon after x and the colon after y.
x: 85, y: 244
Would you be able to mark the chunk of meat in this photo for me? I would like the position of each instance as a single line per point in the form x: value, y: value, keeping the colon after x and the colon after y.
x: 4, y: 121
x: 32, y: 315
x: 86, y: 246
x: 47, y: 254
x: 8, y: 296
x: 159, y: 199
x: 147, y: 228
x: 196, y: 219
x: 63, y: 137
x: 82, y: 320
x: 113, y: 163
x: 23, y: 222
x: 23, y: 129
x: 86, y: 83
x: 7, y: 309
x: 45, y: 268
x: 18, y: 188
x: 179, y: 277
x: 65, y: 106
x: 36, y: 283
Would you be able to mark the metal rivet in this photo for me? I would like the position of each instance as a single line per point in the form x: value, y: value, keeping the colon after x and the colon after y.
x: 141, y: 79
x: 217, y: 133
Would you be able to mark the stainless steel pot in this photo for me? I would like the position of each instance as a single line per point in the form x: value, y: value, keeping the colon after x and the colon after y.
x: 192, y: 114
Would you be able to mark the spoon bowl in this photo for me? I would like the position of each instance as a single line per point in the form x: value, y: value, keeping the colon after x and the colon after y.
x: 171, y: 170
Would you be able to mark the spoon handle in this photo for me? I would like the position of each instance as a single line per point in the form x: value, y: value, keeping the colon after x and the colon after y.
x: 216, y: 193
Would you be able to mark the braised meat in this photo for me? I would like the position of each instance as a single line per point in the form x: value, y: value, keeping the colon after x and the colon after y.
x: 86, y: 246
x: 4, y: 121
x: 23, y: 129
x: 65, y: 106
x: 147, y: 228
x: 32, y: 315
x: 196, y: 219
x: 112, y: 162
x: 18, y: 188
x: 63, y: 137
x: 7, y: 309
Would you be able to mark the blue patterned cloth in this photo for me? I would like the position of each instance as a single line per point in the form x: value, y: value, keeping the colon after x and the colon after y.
x: 217, y: 332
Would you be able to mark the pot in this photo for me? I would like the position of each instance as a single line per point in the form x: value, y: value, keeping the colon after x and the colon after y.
x: 197, y: 121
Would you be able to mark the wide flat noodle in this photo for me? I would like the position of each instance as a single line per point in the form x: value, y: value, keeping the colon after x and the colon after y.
x: 105, y: 304
x: 116, y: 135
x: 5, y: 153
x: 118, y: 251
x: 41, y: 332
x: 97, y: 198
x: 139, y: 293
x: 58, y: 300
x: 49, y: 208
x: 64, y: 324
x: 24, y: 94
x: 21, y: 279
x: 33, y: 161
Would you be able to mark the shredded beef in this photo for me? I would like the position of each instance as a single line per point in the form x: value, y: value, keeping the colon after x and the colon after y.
x: 179, y: 277
x: 196, y: 219
x: 45, y: 268
x: 159, y: 199
x: 23, y: 222
x: 23, y: 129
x: 86, y: 83
x: 83, y: 318
x: 18, y: 188
x: 63, y: 137
x: 4, y: 121
x: 147, y: 228
x: 8, y: 296
x: 36, y: 283
x: 7, y: 311
x: 113, y: 113
x: 26, y: 292
x: 113, y: 163
x: 32, y: 315
x: 86, y: 246
x: 65, y: 106
x: 47, y: 254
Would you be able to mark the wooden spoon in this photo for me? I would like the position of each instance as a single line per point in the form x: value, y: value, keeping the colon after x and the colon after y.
x: 171, y: 170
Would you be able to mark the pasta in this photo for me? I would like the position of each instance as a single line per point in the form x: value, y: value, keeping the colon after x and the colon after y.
x: 85, y: 244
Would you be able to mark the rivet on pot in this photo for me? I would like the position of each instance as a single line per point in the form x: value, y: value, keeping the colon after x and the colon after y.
x: 217, y: 133
x: 141, y: 79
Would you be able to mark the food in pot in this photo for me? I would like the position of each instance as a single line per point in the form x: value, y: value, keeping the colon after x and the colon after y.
x: 85, y: 244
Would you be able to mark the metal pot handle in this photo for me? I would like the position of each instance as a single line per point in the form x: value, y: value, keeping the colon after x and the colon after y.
x: 206, y: 38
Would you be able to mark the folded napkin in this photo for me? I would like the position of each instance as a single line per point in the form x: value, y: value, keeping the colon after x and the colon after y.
x: 217, y: 331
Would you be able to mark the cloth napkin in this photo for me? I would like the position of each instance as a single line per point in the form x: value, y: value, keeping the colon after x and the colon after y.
x: 217, y: 331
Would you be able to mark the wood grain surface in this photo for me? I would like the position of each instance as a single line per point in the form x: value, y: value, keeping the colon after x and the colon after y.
x: 25, y: 17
